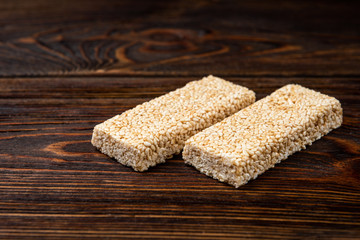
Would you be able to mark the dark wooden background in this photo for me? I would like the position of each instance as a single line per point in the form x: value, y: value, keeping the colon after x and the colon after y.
x: 66, y: 66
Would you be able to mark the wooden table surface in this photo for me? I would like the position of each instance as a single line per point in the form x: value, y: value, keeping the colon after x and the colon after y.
x: 66, y: 66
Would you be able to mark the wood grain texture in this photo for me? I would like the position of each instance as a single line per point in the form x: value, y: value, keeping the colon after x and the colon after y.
x: 179, y: 38
x: 66, y: 66
x: 55, y: 184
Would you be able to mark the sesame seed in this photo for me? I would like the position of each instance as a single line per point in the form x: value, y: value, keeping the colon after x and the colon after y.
x: 153, y: 131
x: 267, y: 132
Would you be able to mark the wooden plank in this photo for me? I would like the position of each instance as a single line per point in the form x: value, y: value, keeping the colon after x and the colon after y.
x: 178, y: 38
x: 55, y: 184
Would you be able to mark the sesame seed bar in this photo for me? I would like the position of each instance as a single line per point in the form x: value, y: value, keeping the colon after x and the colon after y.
x: 153, y: 131
x: 253, y: 140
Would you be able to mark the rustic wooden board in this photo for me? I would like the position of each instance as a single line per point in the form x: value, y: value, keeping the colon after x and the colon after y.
x: 179, y: 38
x: 68, y: 65
x: 54, y: 183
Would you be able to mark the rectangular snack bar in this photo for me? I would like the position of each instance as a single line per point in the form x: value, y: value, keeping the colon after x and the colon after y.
x: 153, y: 131
x: 253, y: 140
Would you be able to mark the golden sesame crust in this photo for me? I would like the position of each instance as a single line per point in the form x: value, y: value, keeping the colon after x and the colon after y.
x: 153, y: 131
x: 253, y: 140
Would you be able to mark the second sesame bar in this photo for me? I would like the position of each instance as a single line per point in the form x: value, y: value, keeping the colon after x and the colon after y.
x: 253, y: 140
x: 153, y: 131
